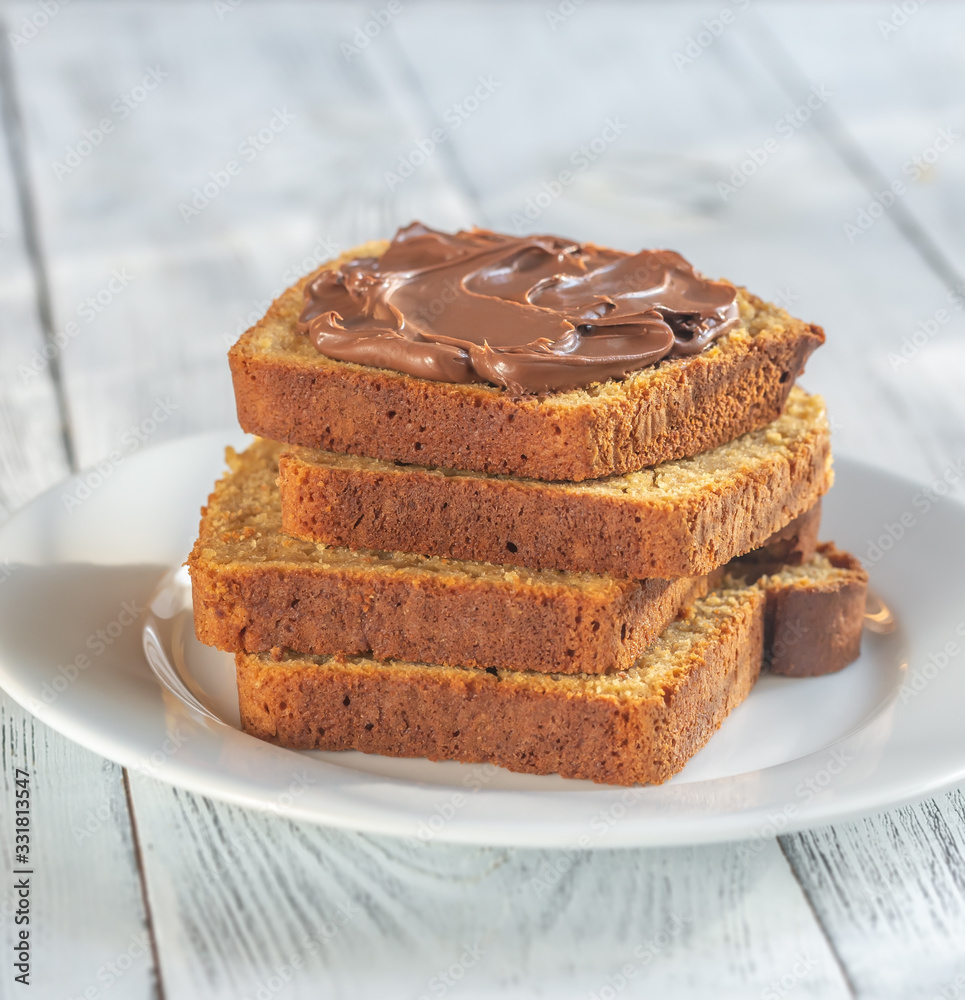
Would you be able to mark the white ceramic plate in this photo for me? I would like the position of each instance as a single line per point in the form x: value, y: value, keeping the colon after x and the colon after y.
x: 83, y: 585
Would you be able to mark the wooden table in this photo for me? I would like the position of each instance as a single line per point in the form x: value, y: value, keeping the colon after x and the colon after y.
x: 755, y: 138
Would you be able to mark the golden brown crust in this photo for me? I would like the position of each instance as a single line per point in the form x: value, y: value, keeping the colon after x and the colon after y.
x: 286, y: 391
x: 521, y: 721
x: 683, y: 518
x: 813, y: 626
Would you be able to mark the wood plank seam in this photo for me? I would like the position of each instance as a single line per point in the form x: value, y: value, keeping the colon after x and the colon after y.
x: 142, y: 879
x: 839, y: 961
x: 14, y: 132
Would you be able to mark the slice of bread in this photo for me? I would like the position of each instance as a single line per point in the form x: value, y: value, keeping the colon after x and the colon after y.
x: 633, y: 726
x: 682, y: 518
x: 285, y: 390
x: 255, y: 589
x: 814, y: 614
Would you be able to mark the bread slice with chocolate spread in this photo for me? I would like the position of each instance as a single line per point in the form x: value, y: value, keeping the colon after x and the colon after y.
x: 287, y: 391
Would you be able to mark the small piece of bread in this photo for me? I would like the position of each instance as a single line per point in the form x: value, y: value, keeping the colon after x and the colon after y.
x: 815, y: 613
x: 682, y: 518
x: 255, y: 589
x: 635, y: 726
x: 286, y: 391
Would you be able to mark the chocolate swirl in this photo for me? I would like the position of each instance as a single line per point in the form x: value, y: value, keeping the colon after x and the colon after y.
x: 532, y: 313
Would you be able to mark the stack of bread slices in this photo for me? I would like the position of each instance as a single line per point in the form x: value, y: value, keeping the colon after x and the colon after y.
x: 583, y: 582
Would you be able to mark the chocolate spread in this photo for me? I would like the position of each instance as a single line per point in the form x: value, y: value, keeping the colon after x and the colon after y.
x: 530, y: 313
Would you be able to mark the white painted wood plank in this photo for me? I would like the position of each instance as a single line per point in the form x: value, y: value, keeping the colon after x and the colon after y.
x: 246, y: 901
x: 890, y: 887
x: 87, y: 923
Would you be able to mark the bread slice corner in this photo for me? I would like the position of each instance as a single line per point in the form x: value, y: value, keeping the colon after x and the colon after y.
x: 680, y: 518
